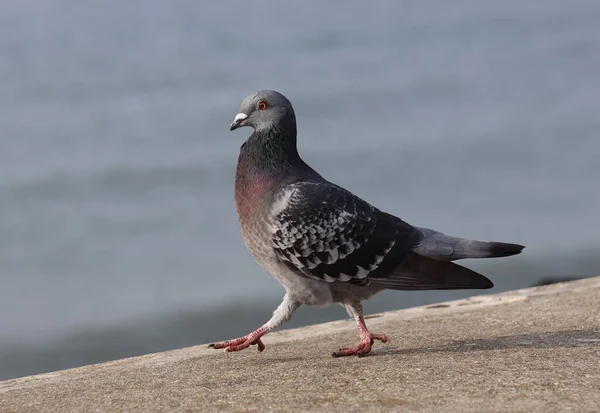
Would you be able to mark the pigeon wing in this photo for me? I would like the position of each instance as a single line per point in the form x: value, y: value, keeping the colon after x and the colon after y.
x: 324, y: 232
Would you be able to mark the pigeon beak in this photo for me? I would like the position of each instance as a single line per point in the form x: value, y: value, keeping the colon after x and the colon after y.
x: 237, y: 122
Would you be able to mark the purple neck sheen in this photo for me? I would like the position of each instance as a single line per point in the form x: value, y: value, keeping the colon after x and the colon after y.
x: 267, y: 160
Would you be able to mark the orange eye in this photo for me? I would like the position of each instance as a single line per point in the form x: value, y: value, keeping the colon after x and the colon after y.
x: 262, y: 105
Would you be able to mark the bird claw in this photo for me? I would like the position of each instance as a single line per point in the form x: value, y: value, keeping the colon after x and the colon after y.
x: 257, y: 342
x: 363, y: 348
x: 240, y: 343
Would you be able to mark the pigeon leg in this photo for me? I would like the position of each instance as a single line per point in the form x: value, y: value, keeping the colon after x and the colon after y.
x: 354, y: 308
x: 282, y: 314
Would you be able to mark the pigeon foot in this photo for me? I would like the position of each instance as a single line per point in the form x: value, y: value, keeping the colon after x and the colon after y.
x: 243, y: 342
x: 364, y: 346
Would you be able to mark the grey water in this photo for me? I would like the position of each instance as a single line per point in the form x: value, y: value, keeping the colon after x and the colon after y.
x: 118, y: 231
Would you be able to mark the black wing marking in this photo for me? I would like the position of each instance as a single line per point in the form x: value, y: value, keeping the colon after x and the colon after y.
x: 325, y: 232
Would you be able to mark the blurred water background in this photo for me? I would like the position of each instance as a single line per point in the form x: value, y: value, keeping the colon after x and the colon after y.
x: 118, y: 232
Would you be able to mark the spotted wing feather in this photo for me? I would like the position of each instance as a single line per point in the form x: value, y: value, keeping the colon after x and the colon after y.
x: 325, y: 232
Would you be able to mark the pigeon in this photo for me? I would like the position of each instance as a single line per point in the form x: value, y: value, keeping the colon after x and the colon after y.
x: 323, y: 243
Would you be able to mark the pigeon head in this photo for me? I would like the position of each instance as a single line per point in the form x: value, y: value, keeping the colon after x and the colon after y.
x: 270, y: 153
x: 266, y: 110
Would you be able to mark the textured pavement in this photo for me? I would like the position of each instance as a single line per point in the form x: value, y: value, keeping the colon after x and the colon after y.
x: 534, y: 350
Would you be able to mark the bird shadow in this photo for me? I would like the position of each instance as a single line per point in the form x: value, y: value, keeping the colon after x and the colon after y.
x: 539, y: 340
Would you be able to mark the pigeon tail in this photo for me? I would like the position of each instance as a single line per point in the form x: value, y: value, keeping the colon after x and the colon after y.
x: 443, y: 247
x: 488, y: 249
x: 423, y: 273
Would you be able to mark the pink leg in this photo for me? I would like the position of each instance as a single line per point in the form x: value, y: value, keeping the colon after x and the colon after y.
x: 366, y: 338
x: 280, y: 315
x: 244, y: 342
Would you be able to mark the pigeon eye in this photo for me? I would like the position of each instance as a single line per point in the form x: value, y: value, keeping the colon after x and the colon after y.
x: 262, y: 105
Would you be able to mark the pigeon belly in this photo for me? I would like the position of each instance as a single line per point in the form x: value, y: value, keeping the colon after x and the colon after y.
x: 257, y: 234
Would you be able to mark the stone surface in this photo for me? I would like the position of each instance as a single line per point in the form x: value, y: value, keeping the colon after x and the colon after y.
x: 534, y: 350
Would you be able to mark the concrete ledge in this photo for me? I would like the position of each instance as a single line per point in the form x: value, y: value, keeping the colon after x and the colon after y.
x: 529, y: 350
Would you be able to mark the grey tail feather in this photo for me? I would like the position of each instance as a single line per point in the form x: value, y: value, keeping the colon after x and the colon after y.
x: 423, y: 273
x: 443, y: 247
x: 484, y: 249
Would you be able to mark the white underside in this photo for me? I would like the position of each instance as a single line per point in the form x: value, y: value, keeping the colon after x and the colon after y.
x: 307, y: 291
